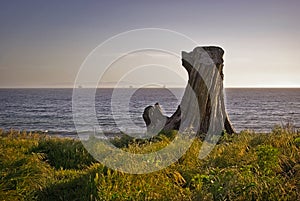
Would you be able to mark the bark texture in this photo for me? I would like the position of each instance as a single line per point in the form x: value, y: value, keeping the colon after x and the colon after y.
x: 202, y: 108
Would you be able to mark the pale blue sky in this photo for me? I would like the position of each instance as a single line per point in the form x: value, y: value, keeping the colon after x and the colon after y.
x: 43, y: 44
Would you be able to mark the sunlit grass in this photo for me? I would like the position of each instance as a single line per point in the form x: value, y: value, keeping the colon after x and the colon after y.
x: 244, y: 166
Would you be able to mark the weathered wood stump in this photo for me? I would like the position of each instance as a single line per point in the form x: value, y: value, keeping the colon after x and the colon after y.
x: 202, y: 108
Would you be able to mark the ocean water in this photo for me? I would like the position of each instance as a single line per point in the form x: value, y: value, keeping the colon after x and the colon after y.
x: 51, y: 109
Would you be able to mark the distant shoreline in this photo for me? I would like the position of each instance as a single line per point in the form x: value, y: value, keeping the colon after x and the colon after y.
x: 298, y: 87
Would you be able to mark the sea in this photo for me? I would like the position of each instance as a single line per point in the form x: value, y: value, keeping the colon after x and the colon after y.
x: 50, y: 110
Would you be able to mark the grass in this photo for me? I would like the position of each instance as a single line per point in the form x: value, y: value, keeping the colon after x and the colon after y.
x: 244, y: 166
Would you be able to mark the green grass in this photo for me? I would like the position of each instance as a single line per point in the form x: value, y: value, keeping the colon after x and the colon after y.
x: 244, y: 166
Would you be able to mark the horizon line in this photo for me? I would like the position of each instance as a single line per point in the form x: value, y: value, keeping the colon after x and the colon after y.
x: 229, y: 87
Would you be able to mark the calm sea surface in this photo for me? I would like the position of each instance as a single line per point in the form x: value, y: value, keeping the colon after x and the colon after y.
x: 51, y: 109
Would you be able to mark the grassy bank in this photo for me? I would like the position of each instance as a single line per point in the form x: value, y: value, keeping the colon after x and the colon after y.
x: 245, y: 166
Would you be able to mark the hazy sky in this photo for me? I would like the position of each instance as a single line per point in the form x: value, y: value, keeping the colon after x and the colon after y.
x: 43, y: 43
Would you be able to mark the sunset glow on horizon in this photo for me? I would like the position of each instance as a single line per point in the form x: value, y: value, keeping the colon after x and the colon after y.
x: 43, y: 44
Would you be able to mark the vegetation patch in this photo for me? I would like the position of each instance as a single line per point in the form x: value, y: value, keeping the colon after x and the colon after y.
x: 244, y: 166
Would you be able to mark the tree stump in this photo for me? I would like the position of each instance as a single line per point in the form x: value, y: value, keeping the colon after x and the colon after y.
x: 202, y: 108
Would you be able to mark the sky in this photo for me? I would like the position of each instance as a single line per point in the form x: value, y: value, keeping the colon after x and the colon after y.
x: 44, y: 43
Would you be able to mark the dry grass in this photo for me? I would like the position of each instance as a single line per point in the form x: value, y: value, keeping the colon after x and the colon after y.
x: 245, y: 166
